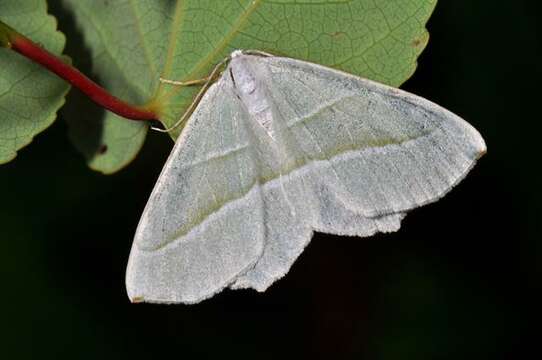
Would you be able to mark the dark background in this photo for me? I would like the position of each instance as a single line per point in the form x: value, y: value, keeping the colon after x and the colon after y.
x: 460, y: 280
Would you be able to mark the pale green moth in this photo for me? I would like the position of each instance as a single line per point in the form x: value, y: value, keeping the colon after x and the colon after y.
x: 276, y: 149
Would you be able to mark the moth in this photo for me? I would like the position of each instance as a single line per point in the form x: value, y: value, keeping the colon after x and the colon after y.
x: 276, y: 149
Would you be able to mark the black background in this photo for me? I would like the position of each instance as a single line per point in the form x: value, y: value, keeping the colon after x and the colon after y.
x: 460, y: 280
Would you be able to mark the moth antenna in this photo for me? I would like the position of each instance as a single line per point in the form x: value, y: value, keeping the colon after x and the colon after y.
x: 257, y: 52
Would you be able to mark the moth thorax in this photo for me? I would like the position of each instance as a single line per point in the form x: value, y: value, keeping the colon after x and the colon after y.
x: 252, y: 92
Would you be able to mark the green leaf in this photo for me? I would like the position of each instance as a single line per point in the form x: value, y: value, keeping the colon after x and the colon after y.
x: 29, y: 95
x: 135, y: 42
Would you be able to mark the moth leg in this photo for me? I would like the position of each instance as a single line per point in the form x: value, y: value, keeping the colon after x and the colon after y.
x: 186, y: 83
x: 205, y: 82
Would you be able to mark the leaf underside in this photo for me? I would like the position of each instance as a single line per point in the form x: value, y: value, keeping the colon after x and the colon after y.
x: 134, y: 43
x: 29, y: 96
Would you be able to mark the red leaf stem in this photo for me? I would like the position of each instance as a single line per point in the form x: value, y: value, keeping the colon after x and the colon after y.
x: 95, y: 92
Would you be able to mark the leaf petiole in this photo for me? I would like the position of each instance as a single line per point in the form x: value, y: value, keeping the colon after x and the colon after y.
x: 11, y: 39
